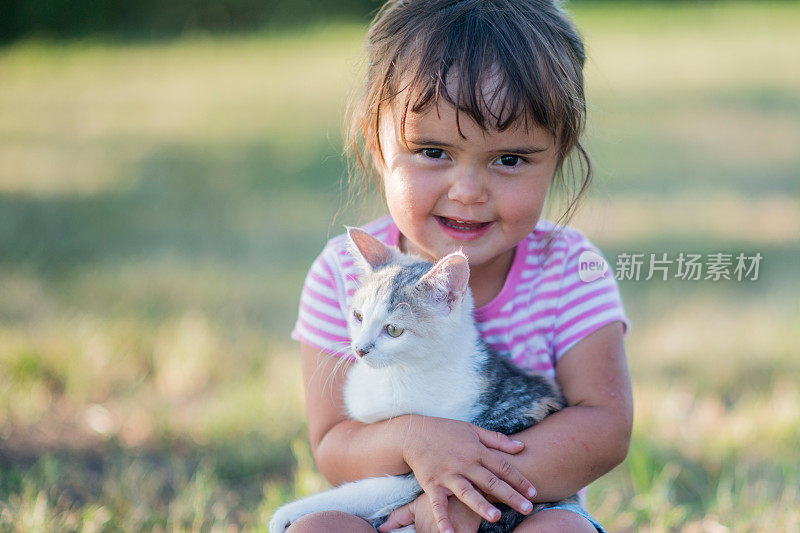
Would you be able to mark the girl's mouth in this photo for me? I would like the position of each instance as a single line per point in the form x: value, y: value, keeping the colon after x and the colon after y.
x: 463, y: 230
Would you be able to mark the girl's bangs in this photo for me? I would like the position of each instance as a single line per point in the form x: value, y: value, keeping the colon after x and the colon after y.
x: 495, y: 79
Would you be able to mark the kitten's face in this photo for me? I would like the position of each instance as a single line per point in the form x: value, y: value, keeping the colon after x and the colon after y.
x: 392, y: 321
x: 403, y: 310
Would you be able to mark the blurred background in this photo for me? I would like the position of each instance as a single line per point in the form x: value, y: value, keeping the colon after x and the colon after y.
x: 169, y: 171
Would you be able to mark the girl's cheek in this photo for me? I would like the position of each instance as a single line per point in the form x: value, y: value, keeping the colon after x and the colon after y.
x: 408, y: 185
x: 400, y: 196
x: 522, y: 205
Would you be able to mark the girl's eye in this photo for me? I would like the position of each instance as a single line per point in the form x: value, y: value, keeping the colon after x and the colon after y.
x: 394, y: 331
x: 508, y: 160
x: 433, y: 153
x: 358, y: 316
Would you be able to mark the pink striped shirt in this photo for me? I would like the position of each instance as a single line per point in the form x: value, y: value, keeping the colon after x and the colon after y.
x: 543, y: 309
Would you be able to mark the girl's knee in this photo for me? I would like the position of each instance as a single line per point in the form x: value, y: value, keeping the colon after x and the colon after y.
x: 556, y: 520
x: 333, y: 521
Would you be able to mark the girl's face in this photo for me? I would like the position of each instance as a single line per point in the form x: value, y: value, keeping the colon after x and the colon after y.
x: 481, y: 192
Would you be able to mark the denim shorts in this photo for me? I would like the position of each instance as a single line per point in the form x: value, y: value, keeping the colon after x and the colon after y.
x: 578, y: 509
x: 572, y: 507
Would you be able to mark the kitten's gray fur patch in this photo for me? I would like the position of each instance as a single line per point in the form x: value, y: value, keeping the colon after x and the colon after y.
x: 396, y: 286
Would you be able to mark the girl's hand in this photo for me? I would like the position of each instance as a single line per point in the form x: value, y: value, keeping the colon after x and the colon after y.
x: 420, y: 513
x: 454, y: 457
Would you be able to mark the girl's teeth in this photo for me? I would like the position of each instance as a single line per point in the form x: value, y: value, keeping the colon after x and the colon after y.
x: 460, y: 224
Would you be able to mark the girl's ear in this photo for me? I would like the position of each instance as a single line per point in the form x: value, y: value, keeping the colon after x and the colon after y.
x: 369, y: 252
x: 448, y: 279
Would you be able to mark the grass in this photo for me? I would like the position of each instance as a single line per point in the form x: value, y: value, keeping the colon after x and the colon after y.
x: 160, y: 204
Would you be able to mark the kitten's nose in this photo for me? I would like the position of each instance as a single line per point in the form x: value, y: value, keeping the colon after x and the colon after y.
x: 363, y: 350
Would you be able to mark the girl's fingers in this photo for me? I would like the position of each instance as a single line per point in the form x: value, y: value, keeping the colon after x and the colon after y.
x: 502, y: 491
x: 438, y: 500
x: 400, y: 517
x: 499, y: 441
x: 498, y: 465
x: 466, y: 492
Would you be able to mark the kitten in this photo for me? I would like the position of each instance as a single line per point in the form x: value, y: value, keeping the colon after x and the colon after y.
x: 418, y: 351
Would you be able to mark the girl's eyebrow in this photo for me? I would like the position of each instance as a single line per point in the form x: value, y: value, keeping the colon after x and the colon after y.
x: 429, y: 142
x: 522, y: 150
x: 516, y: 150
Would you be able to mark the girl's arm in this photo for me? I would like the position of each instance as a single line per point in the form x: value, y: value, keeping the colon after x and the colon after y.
x: 575, y: 446
x: 347, y: 450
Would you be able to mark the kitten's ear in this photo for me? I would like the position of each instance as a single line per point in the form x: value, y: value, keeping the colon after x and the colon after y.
x: 448, y: 278
x: 368, y: 251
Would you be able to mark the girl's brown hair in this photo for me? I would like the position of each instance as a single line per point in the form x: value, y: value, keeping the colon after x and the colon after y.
x: 528, y: 52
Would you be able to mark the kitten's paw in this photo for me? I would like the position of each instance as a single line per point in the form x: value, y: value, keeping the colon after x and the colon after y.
x: 284, y: 516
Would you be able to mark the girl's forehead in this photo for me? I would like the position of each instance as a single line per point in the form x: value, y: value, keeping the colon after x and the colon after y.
x: 416, y: 108
x: 441, y: 123
x: 490, y: 92
x: 488, y: 96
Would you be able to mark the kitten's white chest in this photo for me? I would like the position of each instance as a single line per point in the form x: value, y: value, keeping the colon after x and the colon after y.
x: 378, y: 394
x: 368, y: 398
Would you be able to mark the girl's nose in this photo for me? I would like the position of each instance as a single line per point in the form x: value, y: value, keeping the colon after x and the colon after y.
x: 468, y: 187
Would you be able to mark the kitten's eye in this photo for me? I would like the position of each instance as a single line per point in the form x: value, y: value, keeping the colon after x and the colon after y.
x: 358, y: 316
x: 394, y: 331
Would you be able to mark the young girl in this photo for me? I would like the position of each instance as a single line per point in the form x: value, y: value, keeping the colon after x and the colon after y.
x: 472, y: 109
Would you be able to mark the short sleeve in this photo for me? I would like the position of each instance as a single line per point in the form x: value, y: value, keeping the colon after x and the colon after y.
x: 588, y: 298
x: 321, y: 320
